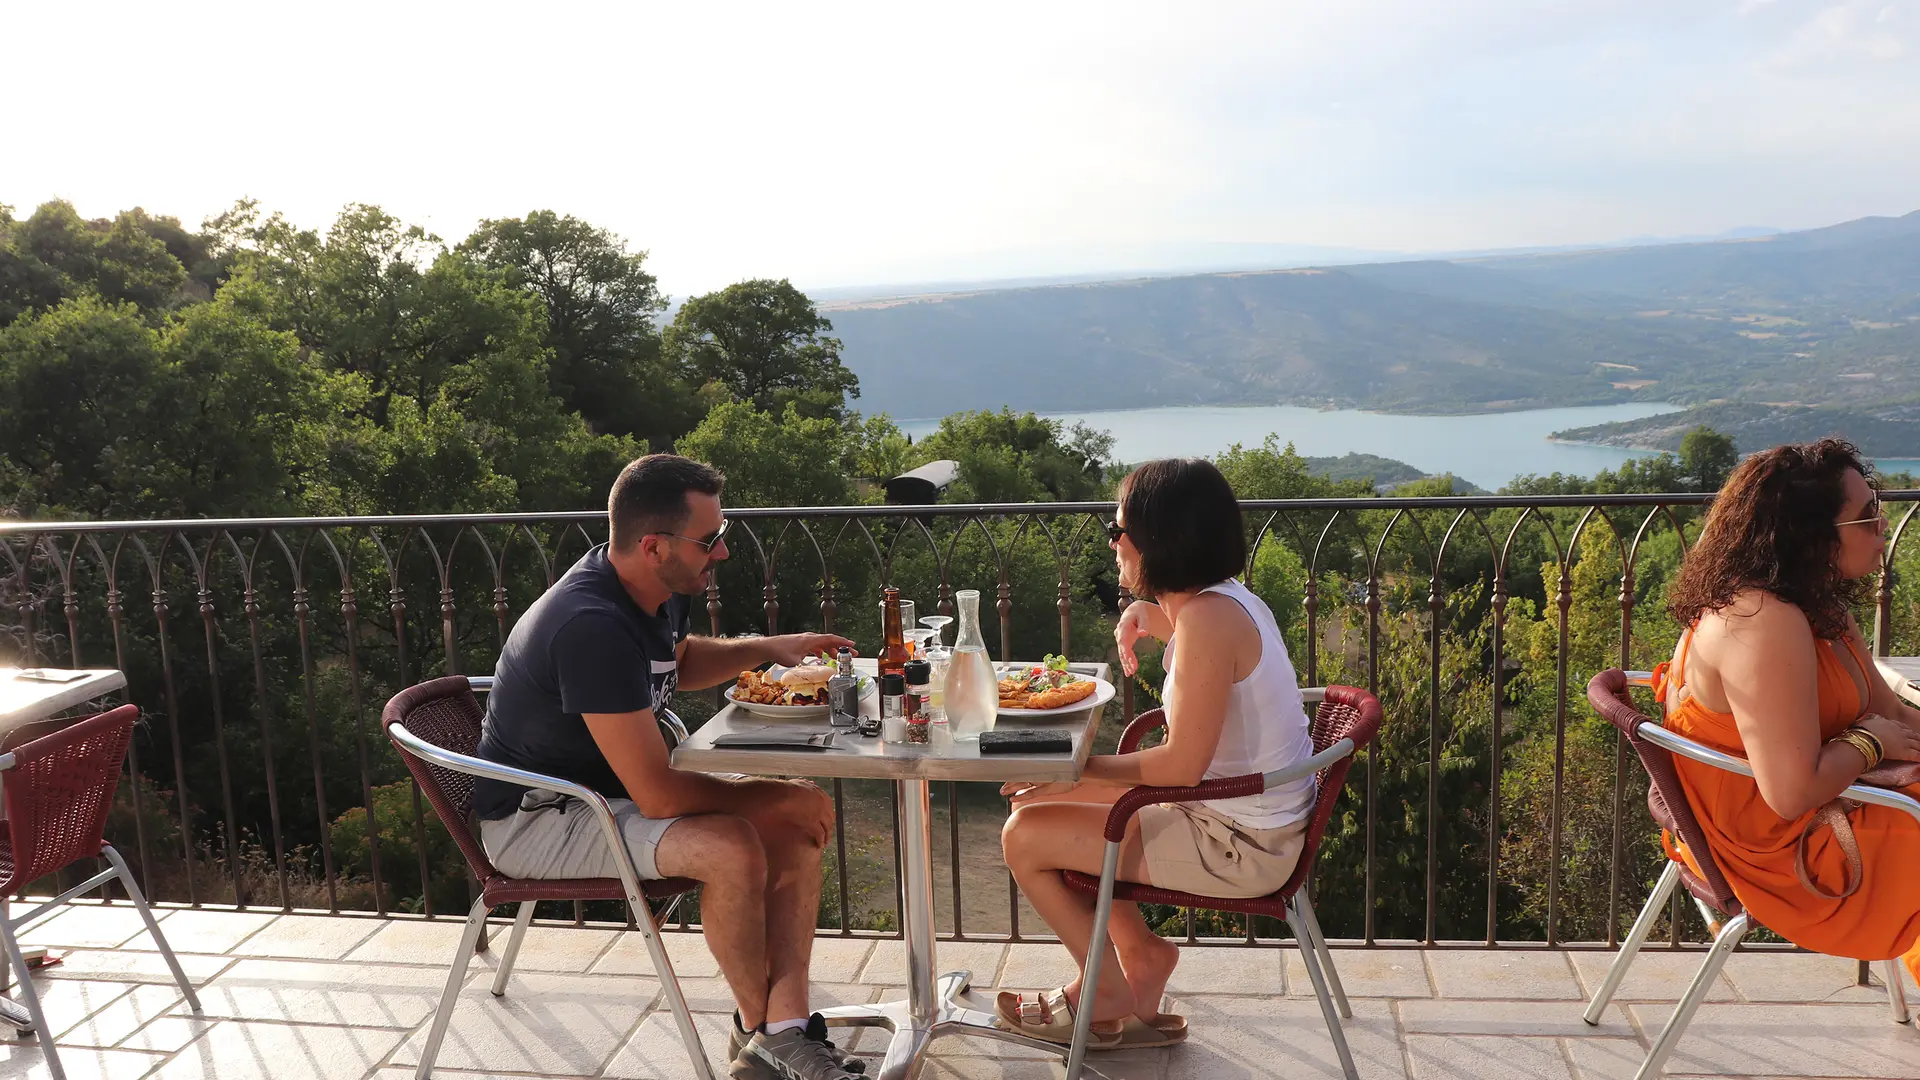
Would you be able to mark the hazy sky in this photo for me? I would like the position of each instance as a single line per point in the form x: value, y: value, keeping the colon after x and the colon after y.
x: 844, y: 143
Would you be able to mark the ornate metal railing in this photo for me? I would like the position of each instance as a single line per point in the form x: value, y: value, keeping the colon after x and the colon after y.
x: 1490, y: 810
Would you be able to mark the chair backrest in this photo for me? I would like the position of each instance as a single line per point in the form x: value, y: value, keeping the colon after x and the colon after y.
x: 58, y: 793
x: 1346, y: 712
x: 443, y: 712
x: 1666, y: 798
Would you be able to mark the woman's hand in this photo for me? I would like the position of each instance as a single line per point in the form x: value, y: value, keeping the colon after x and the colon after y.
x: 1901, y: 741
x: 1143, y: 618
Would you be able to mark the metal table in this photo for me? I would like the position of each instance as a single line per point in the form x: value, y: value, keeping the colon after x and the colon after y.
x: 1904, y: 673
x: 933, y: 1006
x: 30, y: 708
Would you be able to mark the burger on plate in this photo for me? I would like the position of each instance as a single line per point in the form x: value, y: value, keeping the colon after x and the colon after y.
x: 806, y: 684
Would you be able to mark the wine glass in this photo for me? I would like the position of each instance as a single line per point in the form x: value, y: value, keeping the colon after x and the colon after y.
x: 917, y: 641
x: 937, y: 624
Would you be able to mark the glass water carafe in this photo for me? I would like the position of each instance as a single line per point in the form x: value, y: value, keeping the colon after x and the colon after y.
x: 973, y: 688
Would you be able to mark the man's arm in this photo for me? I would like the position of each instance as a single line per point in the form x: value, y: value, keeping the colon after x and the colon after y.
x: 631, y: 743
x: 707, y: 661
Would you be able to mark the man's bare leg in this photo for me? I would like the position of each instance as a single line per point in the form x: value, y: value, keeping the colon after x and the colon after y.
x: 792, y: 907
x: 724, y: 854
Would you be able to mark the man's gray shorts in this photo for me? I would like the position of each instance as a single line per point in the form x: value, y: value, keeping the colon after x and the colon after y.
x: 556, y: 836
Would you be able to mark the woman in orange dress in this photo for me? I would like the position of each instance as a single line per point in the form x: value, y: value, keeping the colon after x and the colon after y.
x: 1774, y: 669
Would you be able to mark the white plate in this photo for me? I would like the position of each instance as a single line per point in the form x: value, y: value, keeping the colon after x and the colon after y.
x: 793, y: 712
x: 1102, y: 693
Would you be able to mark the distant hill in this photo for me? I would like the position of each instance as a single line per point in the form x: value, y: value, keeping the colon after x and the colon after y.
x: 1892, y: 433
x: 1384, y: 472
x: 1824, y: 317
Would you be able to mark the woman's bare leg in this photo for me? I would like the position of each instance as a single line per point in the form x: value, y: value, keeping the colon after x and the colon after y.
x: 1042, y: 839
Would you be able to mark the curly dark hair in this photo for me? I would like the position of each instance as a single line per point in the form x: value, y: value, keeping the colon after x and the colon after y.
x: 1772, y: 527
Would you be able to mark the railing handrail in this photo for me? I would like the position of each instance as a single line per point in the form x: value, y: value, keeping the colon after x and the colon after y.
x: 1435, y: 502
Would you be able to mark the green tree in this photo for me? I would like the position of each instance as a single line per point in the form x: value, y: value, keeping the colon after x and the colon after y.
x: 764, y: 342
x: 601, y: 306
x: 1707, y: 456
x: 1020, y: 457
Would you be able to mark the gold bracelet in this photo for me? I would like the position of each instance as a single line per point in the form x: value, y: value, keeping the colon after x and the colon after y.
x: 1879, y: 747
x: 1865, y: 743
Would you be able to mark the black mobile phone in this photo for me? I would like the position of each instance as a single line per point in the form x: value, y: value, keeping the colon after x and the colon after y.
x: 869, y: 726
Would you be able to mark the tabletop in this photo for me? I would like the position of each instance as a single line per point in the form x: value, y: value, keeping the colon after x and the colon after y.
x: 1904, y: 673
x: 858, y: 756
x: 25, y: 701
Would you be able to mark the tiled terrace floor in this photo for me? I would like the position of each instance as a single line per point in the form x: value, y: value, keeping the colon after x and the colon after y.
x: 294, y: 997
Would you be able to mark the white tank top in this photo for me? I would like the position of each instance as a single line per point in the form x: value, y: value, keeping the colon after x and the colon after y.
x: 1265, y: 726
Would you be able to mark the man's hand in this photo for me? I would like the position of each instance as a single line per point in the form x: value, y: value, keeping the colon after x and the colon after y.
x: 790, y: 649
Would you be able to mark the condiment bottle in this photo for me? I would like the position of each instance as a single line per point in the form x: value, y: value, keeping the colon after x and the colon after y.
x: 893, y: 693
x: 918, y: 675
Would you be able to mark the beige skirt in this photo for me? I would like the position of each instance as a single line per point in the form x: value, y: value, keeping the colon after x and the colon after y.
x: 1191, y: 848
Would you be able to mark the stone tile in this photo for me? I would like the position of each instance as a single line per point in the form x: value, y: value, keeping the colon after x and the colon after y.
x: 1804, y: 1040
x: 89, y: 926
x: 839, y: 960
x: 25, y: 1061
x: 1655, y: 975
x: 1461, y: 1057
x: 282, y: 1051
x: 204, y: 931
x: 1605, y: 1059
x: 168, y: 1034
x: 888, y: 962
x: 1389, y: 973
x: 688, y: 951
x: 559, y: 1024
x: 309, y: 937
x: 656, y: 1052
x: 1539, y: 1019
x: 1242, y: 1038
x: 1799, y: 977
x: 124, y: 1015
x: 1103, y: 1066
x: 128, y: 965
x: 293, y: 991
x: 69, y: 1002
x: 419, y: 941
x: 568, y: 950
x: 1226, y: 969
x: 1036, y: 967
x: 1514, y: 974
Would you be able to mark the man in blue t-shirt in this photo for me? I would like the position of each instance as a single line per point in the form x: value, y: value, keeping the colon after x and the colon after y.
x: 575, y: 695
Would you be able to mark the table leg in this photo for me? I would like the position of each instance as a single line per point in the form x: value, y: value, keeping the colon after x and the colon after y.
x: 933, y: 1006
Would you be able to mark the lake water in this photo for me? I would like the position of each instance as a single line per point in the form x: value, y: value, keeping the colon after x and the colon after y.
x: 1488, y: 449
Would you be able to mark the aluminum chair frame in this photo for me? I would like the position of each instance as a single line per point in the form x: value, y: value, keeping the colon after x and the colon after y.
x: 13, y: 959
x: 1300, y: 919
x: 1727, y: 932
x: 643, y: 916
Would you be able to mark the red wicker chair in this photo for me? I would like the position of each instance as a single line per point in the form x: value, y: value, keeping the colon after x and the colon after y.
x: 1345, y: 720
x: 436, y: 728
x: 1726, y: 920
x: 58, y: 789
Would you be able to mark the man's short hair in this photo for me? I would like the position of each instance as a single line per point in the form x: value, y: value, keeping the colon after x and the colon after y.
x: 1182, y: 516
x: 650, y: 496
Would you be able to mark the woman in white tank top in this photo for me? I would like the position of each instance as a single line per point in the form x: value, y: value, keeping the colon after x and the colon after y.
x: 1233, y: 707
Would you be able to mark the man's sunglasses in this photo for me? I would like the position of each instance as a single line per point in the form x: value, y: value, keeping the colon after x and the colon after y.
x: 1876, y: 516
x: 1115, y: 531
x: 706, y: 545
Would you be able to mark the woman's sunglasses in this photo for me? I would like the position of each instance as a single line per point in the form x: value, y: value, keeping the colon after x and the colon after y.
x: 1115, y: 531
x: 1876, y: 517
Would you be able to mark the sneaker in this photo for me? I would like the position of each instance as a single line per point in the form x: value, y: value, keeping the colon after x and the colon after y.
x: 816, y: 1030
x: 790, y: 1055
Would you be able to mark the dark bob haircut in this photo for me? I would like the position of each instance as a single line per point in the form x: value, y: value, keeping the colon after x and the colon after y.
x: 1771, y: 527
x: 1182, y: 516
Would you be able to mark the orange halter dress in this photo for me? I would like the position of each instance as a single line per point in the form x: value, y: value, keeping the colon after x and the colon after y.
x: 1755, y: 846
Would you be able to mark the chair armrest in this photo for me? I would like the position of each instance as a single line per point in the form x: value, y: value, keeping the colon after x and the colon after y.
x: 1693, y: 751
x: 1129, y: 804
x: 480, y: 684
x: 492, y: 770
x: 1639, y: 678
x: 1139, y: 728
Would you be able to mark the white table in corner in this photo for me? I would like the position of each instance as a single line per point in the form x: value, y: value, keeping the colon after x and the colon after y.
x: 29, y: 708
x: 1904, y: 673
x: 933, y: 1006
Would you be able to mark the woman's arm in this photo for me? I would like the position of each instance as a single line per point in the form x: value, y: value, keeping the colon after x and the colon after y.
x: 1143, y: 618
x: 1767, y: 669
x: 1214, y: 631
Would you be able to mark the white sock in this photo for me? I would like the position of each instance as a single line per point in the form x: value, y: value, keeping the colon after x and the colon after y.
x: 773, y: 1028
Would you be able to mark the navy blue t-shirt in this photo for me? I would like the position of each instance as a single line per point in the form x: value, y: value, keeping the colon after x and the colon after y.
x: 583, y: 647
